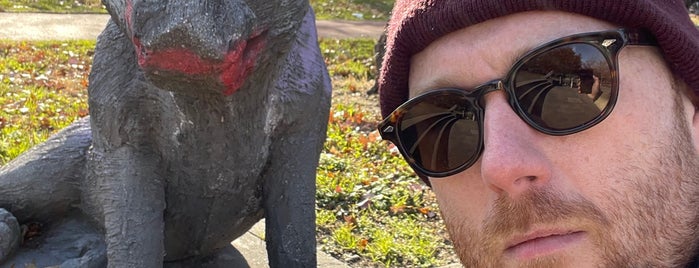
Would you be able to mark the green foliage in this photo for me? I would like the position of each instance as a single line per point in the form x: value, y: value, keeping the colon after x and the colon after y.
x: 349, y: 58
x: 369, y: 202
x: 58, y: 6
x: 42, y: 90
x: 353, y: 9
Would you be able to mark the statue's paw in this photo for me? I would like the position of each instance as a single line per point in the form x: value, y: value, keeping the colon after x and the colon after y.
x: 94, y: 258
x: 10, y: 234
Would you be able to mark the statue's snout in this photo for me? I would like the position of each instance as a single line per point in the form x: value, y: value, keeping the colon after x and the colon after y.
x: 222, y: 45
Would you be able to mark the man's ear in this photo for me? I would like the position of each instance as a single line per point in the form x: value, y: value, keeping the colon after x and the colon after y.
x: 688, y: 101
x: 692, y: 108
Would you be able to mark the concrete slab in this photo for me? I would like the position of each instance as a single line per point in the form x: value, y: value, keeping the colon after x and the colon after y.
x: 41, y: 26
x: 252, y: 247
x: 350, y: 29
x: 47, y: 26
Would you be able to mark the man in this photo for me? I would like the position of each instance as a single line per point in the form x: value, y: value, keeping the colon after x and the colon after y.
x: 553, y: 133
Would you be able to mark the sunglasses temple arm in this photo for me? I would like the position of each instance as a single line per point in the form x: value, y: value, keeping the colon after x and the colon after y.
x: 411, y: 122
x: 640, y: 38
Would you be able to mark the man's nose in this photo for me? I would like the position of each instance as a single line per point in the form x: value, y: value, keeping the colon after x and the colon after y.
x: 512, y: 162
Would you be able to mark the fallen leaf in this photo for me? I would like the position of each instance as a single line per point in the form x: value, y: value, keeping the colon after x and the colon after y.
x: 397, y: 209
x: 361, y: 244
x: 350, y: 219
x: 424, y: 210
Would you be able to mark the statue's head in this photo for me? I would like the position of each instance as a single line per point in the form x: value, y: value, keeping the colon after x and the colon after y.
x: 209, y: 45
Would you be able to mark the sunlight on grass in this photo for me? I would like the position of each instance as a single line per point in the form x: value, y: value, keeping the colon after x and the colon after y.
x: 353, y: 9
x: 43, y: 88
x: 58, y: 6
x: 369, y: 202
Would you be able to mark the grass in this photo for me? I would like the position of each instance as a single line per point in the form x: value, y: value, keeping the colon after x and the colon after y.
x: 372, y: 211
x: 353, y: 9
x: 370, y: 206
x: 54, y: 6
x: 42, y: 89
x: 325, y: 9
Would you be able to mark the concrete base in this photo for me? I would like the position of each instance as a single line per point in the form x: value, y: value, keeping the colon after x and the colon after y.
x: 248, y: 250
x: 251, y: 247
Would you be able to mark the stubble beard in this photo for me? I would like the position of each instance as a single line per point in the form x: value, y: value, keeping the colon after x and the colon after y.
x: 654, y: 223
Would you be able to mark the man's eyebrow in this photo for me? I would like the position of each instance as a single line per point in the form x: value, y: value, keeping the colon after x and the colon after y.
x: 518, y: 54
x: 439, y: 82
x: 449, y: 82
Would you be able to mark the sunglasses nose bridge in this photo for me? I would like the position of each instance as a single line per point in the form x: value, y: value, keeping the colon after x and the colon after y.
x: 490, y: 86
x: 480, y: 91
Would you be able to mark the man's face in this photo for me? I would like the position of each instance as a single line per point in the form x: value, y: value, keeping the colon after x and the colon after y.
x: 621, y: 194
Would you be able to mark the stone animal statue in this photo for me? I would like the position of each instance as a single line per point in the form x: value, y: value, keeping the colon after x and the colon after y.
x: 205, y: 116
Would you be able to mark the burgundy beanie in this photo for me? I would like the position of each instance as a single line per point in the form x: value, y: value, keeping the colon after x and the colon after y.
x: 417, y: 23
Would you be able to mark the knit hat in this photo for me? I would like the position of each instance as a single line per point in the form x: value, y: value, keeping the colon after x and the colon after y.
x: 417, y: 23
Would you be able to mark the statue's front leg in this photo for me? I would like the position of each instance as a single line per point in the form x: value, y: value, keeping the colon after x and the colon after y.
x: 290, y: 178
x: 130, y: 194
x: 10, y: 234
x: 41, y: 185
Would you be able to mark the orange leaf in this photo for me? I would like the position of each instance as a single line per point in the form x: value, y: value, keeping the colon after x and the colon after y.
x: 374, y: 135
x: 424, y: 210
x: 363, y: 140
x: 361, y: 244
x: 331, y: 118
x: 349, y: 219
x: 352, y: 87
x: 45, y: 123
x: 358, y: 118
x: 397, y: 209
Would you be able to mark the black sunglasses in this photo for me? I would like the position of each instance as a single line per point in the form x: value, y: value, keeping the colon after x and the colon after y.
x: 560, y: 88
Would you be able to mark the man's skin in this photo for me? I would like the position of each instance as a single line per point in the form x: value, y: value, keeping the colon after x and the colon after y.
x: 623, y: 193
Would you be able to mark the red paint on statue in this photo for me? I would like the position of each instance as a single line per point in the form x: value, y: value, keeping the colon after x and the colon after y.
x: 232, y: 72
x: 240, y: 62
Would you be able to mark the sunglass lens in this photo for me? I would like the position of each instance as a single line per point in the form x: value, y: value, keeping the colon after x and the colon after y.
x: 565, y: 87
x: 440, y: 132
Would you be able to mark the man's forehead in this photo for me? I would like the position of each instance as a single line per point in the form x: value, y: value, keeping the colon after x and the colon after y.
x: 485, y: 51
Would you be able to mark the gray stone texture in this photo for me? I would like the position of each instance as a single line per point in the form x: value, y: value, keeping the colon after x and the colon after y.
x: 205, y: 117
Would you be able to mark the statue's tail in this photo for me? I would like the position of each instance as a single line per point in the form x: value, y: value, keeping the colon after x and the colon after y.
x: 44, y: 182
